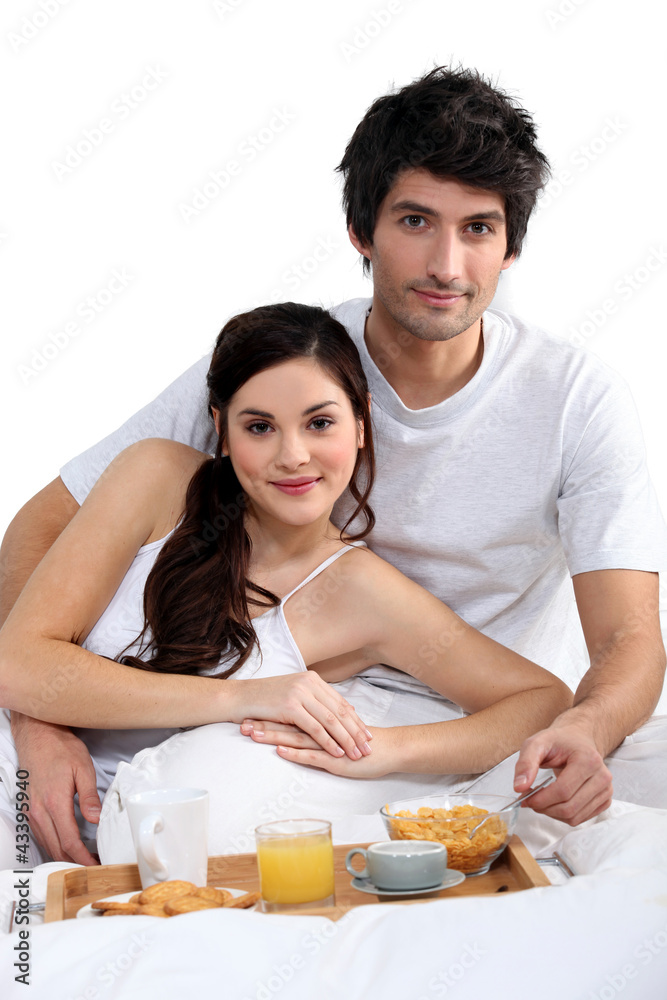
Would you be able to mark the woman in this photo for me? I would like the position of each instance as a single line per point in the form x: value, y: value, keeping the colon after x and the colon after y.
x: 241, y: 544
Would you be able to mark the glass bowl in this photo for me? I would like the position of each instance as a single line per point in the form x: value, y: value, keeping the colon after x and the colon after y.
x: 448, y: 820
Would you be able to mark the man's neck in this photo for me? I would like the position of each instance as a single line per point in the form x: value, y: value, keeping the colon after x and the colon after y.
x: 423, y: 372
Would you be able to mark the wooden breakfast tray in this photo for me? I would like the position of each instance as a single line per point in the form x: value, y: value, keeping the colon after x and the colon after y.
x: 69, y: 890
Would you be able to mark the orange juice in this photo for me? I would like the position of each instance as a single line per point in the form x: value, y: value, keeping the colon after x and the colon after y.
x: 296, y: 870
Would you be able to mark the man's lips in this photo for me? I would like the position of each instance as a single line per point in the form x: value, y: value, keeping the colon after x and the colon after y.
x: 295, y: 487
x: 438, y: 298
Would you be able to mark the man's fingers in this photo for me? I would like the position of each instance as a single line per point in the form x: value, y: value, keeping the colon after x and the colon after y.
x: 534, y: 754
x: 89, y: 801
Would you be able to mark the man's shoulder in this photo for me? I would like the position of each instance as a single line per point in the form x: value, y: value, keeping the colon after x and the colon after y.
x: 352, y: 314
x: 553, y: 357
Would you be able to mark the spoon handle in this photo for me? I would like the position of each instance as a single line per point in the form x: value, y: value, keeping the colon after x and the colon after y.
x: 533, y: 791
x: 515, y: 802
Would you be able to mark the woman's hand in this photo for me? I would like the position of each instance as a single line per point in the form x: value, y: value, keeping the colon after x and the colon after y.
x: 306, y: 702
x: 295, y: 745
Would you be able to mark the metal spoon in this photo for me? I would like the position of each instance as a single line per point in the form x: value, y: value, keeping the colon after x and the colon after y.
x: 514, y: 802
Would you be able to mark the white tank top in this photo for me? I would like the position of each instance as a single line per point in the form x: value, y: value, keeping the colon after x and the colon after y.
x: 122, y: 620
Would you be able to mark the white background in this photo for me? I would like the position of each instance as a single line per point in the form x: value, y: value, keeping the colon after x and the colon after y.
x: 219, y: 72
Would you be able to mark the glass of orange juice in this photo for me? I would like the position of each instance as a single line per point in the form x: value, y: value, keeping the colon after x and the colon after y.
x: 295, y: 861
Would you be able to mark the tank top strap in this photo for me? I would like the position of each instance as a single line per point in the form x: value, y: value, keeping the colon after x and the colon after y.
x: 319, y: 569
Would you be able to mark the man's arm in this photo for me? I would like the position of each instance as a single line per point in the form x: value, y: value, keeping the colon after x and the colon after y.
x: 619, y: 615
x: 58, y: 763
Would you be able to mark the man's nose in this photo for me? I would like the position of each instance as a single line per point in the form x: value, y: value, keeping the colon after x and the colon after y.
x: 446, y: 259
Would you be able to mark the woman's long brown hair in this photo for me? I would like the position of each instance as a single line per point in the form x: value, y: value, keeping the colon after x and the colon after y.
x: 196, y: 595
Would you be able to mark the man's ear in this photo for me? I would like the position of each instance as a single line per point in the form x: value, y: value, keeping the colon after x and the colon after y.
x: 508, y: 262
x: 357, y: 244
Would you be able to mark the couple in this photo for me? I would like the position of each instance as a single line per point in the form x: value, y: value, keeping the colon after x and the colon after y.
x: 497, y: 475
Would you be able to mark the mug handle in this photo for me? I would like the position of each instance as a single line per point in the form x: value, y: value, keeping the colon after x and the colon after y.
x: 364, y: 873
x: 149, y: 826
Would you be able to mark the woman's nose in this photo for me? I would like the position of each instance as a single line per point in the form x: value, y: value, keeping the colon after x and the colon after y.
x: 292, y: 452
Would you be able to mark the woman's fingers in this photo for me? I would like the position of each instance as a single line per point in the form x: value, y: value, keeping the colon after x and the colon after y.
x: 313, y: 706
x: 278, y: 734
x: 332, y: 722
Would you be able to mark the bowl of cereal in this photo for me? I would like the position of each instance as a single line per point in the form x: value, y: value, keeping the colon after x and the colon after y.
x: 449, y: 819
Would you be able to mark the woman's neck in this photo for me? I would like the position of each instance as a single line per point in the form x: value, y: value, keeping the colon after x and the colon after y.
x: 277, y: 546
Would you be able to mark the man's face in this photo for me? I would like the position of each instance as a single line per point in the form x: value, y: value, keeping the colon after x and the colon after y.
x: 437, y: 252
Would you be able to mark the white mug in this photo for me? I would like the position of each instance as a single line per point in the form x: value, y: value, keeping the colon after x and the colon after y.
x: 170, y: 834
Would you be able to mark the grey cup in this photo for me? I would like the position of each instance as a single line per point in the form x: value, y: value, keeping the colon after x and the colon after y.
x: 401, y: 864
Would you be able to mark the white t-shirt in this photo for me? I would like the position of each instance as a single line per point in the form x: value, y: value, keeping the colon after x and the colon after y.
x: 534, y: 470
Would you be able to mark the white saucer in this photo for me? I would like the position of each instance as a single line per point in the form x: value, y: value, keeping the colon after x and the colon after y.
x: 451, y: 879
x: 123, y: 897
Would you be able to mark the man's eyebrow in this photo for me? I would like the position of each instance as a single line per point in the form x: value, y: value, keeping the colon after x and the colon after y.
x: 251, y: 412
x: 492, y: 214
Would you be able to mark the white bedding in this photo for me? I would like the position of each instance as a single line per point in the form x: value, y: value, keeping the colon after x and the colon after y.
x: 601, y: 935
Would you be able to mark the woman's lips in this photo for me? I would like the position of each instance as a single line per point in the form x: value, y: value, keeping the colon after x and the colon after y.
x: 435, y: 299
x: 295, y: 487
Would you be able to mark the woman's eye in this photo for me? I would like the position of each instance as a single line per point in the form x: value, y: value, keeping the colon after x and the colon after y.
x: 321, y: 423
x: 259, y: 427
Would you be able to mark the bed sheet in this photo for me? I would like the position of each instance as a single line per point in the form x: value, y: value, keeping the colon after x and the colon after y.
x: 602, y: 934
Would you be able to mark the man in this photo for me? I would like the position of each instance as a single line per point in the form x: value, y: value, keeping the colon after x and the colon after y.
x: 506, y: 458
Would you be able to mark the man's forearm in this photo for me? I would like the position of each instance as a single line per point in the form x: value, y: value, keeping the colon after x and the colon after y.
x: 29, y: 536
x: 620, y: 690
x: 619, y: 612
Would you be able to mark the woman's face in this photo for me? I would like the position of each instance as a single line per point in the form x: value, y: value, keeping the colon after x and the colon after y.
x: 292, y: 438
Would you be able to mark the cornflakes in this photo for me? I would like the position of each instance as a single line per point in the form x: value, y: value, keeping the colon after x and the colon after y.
x: 452, y: 827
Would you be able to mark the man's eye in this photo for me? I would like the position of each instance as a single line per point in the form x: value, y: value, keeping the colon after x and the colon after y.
x: 414, y: 221
x: 259, y: 427
x: 480, y: 227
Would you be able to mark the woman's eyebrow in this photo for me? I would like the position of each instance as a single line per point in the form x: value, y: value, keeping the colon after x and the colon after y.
x: 319, y: 406
x: 251, y: 412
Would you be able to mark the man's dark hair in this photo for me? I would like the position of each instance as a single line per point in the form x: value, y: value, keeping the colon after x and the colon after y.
x: 453, y: 123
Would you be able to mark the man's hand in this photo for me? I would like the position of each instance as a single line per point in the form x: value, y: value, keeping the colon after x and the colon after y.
x: 583, y: 788
x: 60, y: 767
x: 295, y: 745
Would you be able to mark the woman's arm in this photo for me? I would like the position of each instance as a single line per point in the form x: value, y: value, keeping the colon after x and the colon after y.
x: 390, y: 619
x: 44, y: 671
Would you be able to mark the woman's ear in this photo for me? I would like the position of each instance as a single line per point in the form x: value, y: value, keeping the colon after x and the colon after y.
x: 360, y: 424
x: 218, y: 427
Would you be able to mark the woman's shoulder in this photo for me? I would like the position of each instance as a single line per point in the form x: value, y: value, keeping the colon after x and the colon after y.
x: 151, y: 466
x: 148, y: 478
x: 370, y: 573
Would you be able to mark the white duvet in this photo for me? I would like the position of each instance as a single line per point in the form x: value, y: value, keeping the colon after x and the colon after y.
x: 601, y: 935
